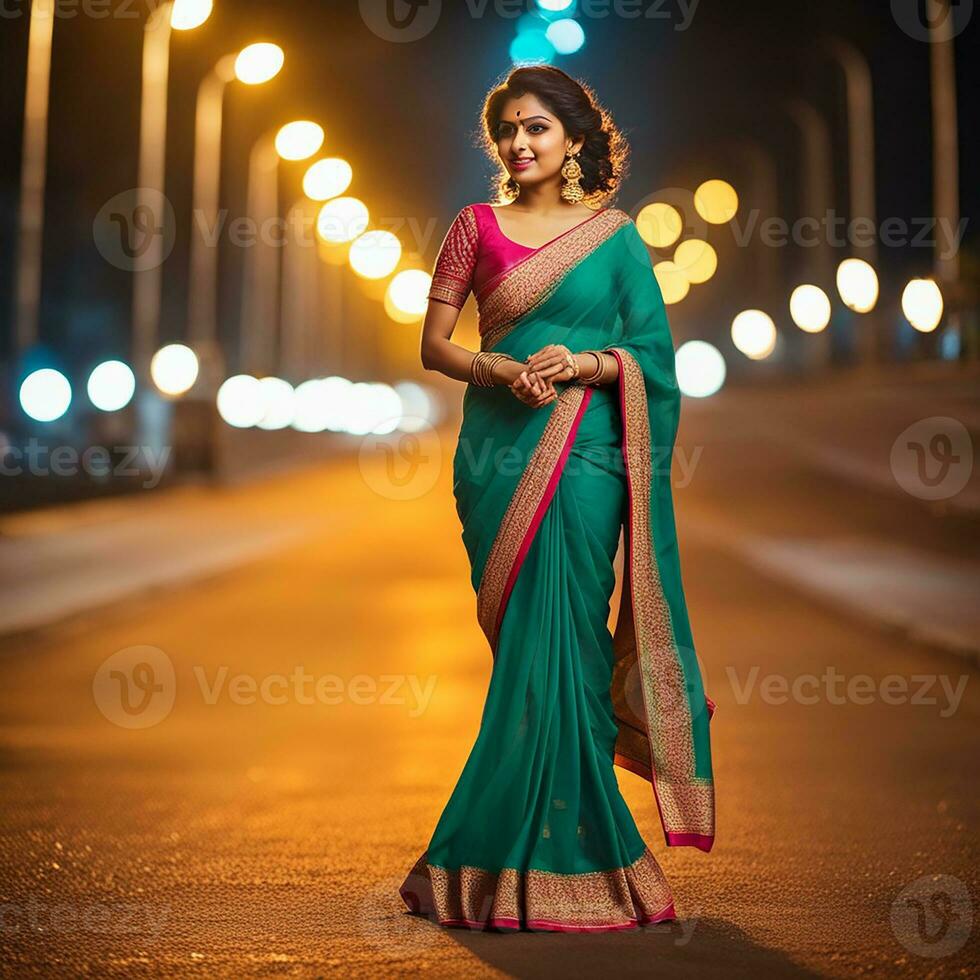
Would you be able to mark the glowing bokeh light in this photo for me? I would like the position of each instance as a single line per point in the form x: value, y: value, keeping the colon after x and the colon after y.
x: 174, y: 369
x: 857, y: 284
x: 674, y: 285
x: 45, y: 395
x: 327, y: 178
x: 277, y: 403
x: 809, y: 306
x: 531, y: 48
x: 696, y: 259
x: 700, y: 369
x: 409, y: 291
x: 754, y: 334
x: 111, y: 386
x: 342, y: 220
x: 566, y: 36
x: 375, y: 254
x: 259, y: 63
x: 922, y: 304
x: 188, y: 14
x: 299, y: 140
x: 716, y: 201
x: 240, y: 401
x: 659, y: 224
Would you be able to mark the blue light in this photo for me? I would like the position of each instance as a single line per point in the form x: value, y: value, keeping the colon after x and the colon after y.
x: 554, y: 6
x: 531, y: 47
x: 566, y: 35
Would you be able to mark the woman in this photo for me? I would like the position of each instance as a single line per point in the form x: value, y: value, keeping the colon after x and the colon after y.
x: 569, y: 418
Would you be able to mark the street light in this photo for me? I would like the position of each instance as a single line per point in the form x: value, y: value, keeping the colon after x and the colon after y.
x: 259, y: 63
x: 179, y: 15
x: 327, y: 178
x: 857, y: 283
x: 809, y: 306
x: 253, y: 65
x: 297, y: 140
x: 754, y: 334
x: 922, y: 304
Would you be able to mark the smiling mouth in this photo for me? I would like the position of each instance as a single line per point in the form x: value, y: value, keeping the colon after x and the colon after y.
x: 521, y: 161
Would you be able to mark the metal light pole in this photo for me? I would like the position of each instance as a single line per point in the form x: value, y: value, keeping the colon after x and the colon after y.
x: 203, y: 278
x: 147, y: 277
x: 945, y: 149
x: 32, y: 173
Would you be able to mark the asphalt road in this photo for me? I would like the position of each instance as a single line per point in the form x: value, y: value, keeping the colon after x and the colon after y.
x: 253, y: 813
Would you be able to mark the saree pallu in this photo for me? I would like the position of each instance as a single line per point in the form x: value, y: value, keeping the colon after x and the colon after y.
x: 536, y: 834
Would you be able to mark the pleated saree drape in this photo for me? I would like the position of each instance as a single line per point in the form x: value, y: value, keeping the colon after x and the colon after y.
x: 536, y: 834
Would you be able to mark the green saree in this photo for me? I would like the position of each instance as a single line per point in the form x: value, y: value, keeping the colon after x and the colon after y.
x: 536, y: 834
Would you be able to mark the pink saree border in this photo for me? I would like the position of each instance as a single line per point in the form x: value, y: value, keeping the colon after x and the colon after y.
x: 549, y: 492
x: 691, y: 799
x: 527, y: 508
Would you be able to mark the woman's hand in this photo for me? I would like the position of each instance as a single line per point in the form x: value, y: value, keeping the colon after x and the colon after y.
x: 554, y: 362
x: 529, y: 388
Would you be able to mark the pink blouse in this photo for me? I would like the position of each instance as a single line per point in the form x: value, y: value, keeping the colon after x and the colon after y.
x: 473, y: 256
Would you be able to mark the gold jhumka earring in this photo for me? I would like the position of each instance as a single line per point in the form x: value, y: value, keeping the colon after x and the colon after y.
x: 571, y: 188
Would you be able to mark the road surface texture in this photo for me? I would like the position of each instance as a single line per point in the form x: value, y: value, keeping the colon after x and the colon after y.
x: 230, y: 740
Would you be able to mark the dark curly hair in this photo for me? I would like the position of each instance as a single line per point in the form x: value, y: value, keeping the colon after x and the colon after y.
x: 604, y: 156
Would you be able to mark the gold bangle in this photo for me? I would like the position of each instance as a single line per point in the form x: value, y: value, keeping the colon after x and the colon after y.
x: 594, y: 377
x: 482, y: 365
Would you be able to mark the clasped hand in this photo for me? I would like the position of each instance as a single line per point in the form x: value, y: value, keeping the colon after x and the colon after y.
x: 535, y: 384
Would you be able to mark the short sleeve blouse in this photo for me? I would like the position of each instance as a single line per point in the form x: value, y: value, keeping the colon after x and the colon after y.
x: 452, y: 276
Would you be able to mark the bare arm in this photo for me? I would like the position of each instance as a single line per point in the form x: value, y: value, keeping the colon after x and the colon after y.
x: 439, y: 353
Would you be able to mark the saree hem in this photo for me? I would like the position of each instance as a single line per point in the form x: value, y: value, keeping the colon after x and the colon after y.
x: 535, y: 900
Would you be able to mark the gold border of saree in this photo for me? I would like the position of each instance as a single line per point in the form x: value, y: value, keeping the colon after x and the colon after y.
x: 620, y: 898
x: 660, y: 746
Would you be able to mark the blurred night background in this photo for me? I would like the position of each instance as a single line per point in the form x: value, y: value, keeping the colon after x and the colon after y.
x: 222, y: 458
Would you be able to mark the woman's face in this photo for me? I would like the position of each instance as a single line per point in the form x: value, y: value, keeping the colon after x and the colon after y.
x: 532, y: 142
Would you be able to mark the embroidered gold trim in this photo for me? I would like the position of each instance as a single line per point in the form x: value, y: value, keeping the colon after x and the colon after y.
x: 452, y: 275
x: 522, y: 507
x: 644, y: 636
x: 539, y: 275
x: 617, y: 897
